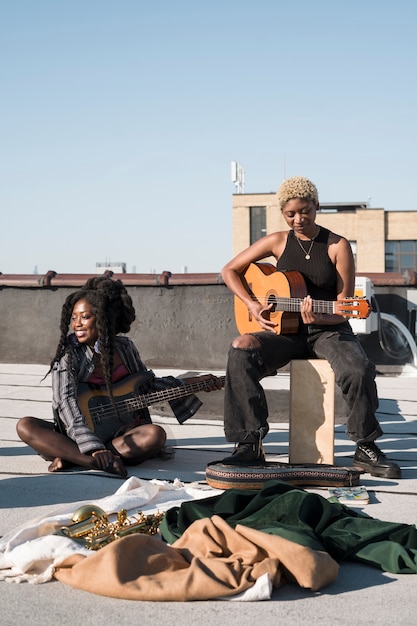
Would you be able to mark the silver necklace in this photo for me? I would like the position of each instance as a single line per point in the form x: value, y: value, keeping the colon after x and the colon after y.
x: 307, y: 254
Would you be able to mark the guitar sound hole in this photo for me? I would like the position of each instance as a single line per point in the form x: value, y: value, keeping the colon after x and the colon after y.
x: 272, y: 300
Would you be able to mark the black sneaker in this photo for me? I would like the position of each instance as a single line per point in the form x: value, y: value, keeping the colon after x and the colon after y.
x: 246, y: 454
x: 370, y: 458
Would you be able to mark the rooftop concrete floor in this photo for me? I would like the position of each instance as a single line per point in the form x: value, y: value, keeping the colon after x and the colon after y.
x: 361, y: 595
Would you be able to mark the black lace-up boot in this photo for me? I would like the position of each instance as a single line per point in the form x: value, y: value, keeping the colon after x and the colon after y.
x: 370, y: 458
x: 246, y: 454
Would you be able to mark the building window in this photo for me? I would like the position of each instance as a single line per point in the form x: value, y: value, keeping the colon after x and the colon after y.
x: 400, y: 255
x: 257, y: 223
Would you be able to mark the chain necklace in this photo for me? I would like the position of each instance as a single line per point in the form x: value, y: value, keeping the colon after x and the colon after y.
x: 307, y: 253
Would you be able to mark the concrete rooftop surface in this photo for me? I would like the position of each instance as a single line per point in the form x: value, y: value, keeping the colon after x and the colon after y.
x: 360, y: 595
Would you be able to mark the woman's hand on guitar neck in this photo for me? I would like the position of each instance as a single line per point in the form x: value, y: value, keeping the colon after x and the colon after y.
x: 306, y: 310
x: 309, y: 317
x: 212, y: 383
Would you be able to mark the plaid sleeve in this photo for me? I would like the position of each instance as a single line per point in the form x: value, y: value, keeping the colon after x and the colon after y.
x: 64, y: 392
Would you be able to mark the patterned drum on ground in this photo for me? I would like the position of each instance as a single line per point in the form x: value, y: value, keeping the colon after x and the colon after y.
x: 222, y: 476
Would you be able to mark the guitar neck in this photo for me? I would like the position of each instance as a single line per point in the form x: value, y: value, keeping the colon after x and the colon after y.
x: 143, y: 401
x: 294, y: 305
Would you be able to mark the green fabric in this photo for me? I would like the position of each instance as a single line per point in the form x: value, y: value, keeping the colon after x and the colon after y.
x: 307, y: 519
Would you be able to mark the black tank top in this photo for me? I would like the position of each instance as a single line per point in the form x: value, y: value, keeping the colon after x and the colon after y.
x: 319, y: 272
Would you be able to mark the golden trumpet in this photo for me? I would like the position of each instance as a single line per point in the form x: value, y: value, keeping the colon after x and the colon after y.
x: 90, y: 526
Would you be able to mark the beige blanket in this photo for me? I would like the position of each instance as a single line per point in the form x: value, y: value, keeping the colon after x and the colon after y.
x: 209, y: 561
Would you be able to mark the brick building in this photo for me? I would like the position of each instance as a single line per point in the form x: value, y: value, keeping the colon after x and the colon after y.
x: 382, y: 241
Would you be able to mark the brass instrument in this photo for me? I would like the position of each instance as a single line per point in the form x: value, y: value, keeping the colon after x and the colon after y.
x: 91, y: 527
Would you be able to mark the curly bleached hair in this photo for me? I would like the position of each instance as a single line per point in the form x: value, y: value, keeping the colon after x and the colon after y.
x: 114, y: 311
x: 297, y: 187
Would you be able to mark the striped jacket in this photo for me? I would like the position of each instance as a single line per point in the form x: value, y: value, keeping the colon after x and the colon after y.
x: 66, y: 377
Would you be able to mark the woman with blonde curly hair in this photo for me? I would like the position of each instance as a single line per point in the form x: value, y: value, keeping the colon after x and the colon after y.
x: 326, y: 263
x: 95, y: 353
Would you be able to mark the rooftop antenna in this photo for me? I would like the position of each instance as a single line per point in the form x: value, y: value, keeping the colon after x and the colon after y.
x: 238, y: 177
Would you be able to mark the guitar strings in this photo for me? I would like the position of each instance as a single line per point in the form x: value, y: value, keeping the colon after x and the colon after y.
x: 128, y: 405
x: 319, y: 306
x: 294, y: 304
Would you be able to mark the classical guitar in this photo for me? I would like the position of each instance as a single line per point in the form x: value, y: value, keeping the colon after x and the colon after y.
x: 101, y: 414
x: 285, y: 291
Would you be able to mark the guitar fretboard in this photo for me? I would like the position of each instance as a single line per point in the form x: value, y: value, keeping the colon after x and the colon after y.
x: 294, y: 305
x: 135, y: 402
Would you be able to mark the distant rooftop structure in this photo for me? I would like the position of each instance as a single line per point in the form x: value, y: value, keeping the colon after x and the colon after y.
x: 118, y: 267
x: 338, y: 207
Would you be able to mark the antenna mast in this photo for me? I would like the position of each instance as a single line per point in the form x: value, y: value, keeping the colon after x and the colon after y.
x: 238, y: 177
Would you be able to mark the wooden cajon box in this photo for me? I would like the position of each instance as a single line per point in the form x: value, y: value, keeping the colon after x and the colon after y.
x: 312, y: 396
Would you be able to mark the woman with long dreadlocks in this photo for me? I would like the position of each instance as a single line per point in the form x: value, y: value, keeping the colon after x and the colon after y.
x: 95, y: 353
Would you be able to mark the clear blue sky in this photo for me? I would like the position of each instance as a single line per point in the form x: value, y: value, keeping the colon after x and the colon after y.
x: 119, y: 121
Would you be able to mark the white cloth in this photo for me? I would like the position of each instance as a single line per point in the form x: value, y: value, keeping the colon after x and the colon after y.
x: 31, y: 551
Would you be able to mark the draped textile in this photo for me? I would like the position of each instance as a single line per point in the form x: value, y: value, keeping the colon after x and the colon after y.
x: 211, y: 560
x: 225, y: 545
x: 308, y: 519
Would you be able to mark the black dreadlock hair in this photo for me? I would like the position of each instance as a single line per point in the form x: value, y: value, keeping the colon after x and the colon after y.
x: 114, y: 311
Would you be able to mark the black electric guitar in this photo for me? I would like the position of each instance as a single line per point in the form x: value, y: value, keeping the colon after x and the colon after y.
x: 286, y: 291
x: 105, y: 417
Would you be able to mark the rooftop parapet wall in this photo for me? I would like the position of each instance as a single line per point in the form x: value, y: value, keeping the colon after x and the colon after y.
x: 182, y: 320
x: 167, y: 279
x: 54, y: 279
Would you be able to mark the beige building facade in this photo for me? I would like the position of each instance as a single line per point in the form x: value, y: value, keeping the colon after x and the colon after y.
x: 382, y: 241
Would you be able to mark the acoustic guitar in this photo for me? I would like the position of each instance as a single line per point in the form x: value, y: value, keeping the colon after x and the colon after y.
x: 105, y: 417
x: 286, y: 291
